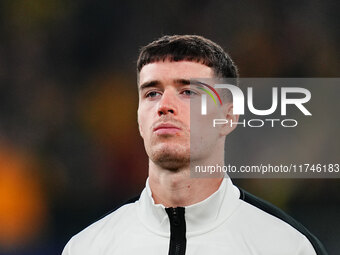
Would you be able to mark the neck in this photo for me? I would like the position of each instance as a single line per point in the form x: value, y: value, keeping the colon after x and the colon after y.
x: 177, y: 188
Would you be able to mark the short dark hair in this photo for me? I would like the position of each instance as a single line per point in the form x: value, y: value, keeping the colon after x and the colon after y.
x: 191, y: 48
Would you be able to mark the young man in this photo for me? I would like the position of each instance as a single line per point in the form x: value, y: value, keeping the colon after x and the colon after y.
x: 176, y: 214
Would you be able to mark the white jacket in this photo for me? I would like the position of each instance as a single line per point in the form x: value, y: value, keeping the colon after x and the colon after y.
x: 224, y: 223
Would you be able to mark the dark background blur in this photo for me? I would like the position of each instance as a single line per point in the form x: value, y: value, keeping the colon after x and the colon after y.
x: 69, y: 146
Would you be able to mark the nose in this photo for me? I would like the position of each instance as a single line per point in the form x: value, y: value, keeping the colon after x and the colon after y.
x: 168, y: 104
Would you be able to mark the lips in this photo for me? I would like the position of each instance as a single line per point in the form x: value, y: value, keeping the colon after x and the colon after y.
x: 166, y: 129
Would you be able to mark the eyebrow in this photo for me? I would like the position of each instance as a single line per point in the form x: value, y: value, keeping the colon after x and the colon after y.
x: 149, y: 84
x: 155, y: 83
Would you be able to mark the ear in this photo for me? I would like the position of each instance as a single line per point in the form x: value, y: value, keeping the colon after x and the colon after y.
x: 228, y: 114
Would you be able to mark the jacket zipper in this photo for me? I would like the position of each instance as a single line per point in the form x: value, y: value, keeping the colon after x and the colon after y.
x: 178, y: 240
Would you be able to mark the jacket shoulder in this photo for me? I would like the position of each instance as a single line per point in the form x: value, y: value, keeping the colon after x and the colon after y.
x: 281, y: 215
x: 105, y: 229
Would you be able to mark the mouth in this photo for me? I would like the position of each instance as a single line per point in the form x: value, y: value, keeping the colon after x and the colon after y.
x: 166, y: 129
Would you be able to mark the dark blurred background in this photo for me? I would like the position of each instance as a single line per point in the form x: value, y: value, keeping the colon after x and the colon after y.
x: 69, y: 144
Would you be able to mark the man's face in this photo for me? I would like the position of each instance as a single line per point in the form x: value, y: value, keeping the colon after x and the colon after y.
x: 164, y: 110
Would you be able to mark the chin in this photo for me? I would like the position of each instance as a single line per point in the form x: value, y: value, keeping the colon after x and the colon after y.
x: 171, y: 158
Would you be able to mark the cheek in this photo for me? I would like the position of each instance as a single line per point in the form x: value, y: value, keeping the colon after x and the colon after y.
x: 140, y: 123
x: 144, y: 122
x: 186, y: 111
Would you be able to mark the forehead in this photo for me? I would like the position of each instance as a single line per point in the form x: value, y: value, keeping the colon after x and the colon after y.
x: 166, y: 71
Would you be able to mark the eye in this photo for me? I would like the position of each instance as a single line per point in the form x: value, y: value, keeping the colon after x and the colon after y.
x: 189, y: 92
x: 152, y: 94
